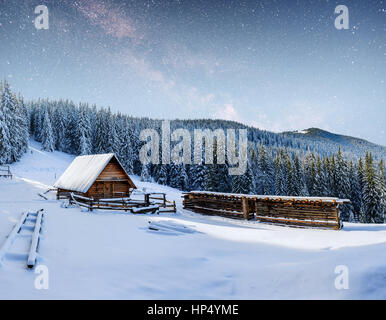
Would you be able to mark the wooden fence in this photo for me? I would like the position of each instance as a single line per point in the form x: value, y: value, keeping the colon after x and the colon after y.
x: 5, y: 171
x: 292, y: 211
x: 160, y: 199
x: 151, y: 203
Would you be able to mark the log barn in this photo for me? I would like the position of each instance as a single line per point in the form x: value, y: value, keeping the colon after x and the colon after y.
x: 317, y: 212
x: 98, y: 176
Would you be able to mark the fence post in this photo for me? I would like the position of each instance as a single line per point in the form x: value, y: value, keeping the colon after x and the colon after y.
x: 244, y: 201
x: 147, y: 199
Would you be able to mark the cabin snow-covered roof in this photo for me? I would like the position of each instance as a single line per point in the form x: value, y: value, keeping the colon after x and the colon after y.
x: 83, y: 171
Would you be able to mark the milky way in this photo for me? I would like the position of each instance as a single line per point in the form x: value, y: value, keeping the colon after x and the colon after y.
x: 277, y: 65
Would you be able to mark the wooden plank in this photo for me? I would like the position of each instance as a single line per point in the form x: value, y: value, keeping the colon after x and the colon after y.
x: 35, y: 241
x: 245, y: 207
x: 11, y: 237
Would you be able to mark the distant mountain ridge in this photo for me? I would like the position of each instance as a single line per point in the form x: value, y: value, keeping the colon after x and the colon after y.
x: 346, y: 142
x: 339, y: 138
x: 313, y: 139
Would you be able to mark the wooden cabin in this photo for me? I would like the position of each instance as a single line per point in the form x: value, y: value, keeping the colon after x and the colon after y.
x: 98, y: 176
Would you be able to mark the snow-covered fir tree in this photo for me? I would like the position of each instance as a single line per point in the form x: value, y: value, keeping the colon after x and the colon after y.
x: 321, y: 187
x: 264, y: 173
x: 145, y: 175
x: 163, y: 174
x: 371, y: 202
x: 14, y: 119
x: 5, y: 144
x: 355, y: 191
x: 217, y: 178
x: 243, y: 183
x: 84, y: 132
x: 343, y: 186
x: 382, y: 188
x: 47, y: 136
x: 280, y: 174
x: 197, y: 173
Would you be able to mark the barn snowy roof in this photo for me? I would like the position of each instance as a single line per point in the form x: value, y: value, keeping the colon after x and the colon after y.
x: 269, y: 197
x: 83, y: 171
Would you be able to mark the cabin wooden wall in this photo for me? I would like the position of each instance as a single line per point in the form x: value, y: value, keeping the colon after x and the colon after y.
x: 111, y: 183
x: 109, y: 189
x: 113, y: 171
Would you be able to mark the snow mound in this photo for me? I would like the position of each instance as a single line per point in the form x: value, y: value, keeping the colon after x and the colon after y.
x: 170, y: 227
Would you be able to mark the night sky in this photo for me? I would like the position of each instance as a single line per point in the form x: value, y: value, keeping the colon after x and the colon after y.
x: 276, y: 65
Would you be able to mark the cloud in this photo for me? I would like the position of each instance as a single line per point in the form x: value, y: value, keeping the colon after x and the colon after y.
x: 227, y: 112
x: 297, y: 116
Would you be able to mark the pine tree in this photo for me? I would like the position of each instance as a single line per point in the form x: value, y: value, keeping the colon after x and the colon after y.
x: 24, y: 126
x: 289, y: 177
x: 320, y: 180
x: 83, y: 132
x: 332, y: 177
x: 299, y: 183
x: 243, y: 183
x: 71, y: 138
x: 174, y: 176
x: 311, y: 176
x: 127, y: 152
x: 280, y: 184
x: 355, y: 191
x: 100, y: 132
x: 382, y: 188
x: 163, y: 175
x: 111, y: 142
x: 183, y: 178
x: 15, y: 122
x: 217, y: 178
x: 371, y: 202
x: 5, y: 146
x: 325, y: 177
x: 197, y: 173
x: 145, y: 176
x: 309, y: 171
x: 48, y: 143
x: 59, y: 128
x: 264, y: 177
x: 343, y: 186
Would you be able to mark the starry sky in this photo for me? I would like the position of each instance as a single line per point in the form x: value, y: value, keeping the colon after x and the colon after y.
x: 276, y: 65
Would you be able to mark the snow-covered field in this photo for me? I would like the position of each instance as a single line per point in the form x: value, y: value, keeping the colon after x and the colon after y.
x: 111, y: 255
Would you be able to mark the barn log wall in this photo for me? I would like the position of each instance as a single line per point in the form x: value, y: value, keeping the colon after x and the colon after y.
x: 302, y: 213
x: 218, y: 205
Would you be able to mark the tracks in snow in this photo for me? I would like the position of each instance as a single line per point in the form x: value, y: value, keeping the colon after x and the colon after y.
x: 22, y: 243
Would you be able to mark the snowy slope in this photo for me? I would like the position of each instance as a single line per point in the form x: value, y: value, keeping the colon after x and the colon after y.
x: 110, y: 255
